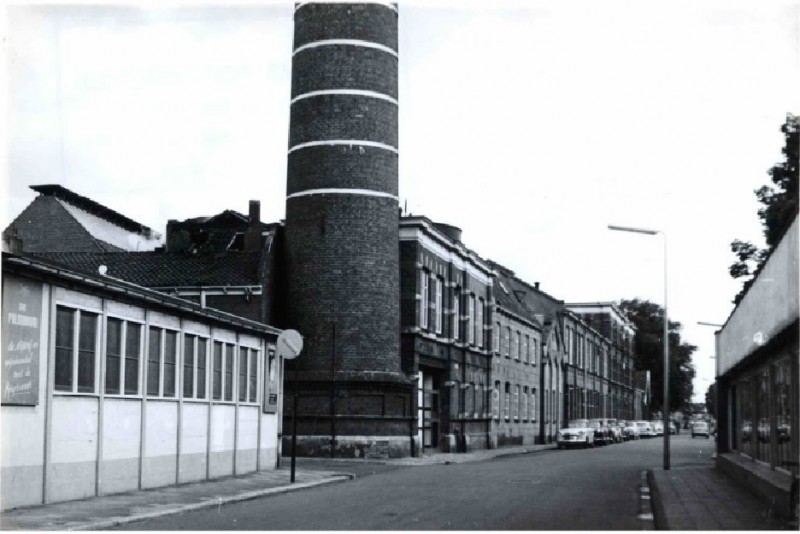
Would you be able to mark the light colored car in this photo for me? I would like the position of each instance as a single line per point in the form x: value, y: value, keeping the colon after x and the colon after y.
x: 658, y: 427
x: 578, y: 433
x: 645, y: 429
x: 616, y: 430
x: 630, y: 431
x: 700, y: 428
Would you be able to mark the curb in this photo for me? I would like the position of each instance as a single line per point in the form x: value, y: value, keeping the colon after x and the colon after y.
x: 208, y: 503
x: 659, y: 516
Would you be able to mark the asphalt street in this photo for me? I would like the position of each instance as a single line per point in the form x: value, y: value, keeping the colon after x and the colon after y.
x: 592, y: 489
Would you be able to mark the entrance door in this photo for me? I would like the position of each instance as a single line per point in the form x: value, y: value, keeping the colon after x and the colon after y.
x: 428, y: 411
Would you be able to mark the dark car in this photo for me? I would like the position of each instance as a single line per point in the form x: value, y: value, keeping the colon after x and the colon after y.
x: 602, y: 433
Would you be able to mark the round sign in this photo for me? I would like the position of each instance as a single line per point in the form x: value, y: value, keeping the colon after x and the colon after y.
x: 289, y: 344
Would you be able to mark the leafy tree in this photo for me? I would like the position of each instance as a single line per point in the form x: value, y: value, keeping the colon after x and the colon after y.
x: 649, y: 354
x: 779, y: 205
x: 711, y: 399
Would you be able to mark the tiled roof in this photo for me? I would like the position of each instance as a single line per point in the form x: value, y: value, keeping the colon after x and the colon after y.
x: 95, y: 208
x: 159, y: 269
x: 108, y: 232
x: 511, y: 294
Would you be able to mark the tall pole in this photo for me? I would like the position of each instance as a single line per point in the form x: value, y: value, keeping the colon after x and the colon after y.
x: 666, y: 363
x: 294, y: 424
x: 665, y: 407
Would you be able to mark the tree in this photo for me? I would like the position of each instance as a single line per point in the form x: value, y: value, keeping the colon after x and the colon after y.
x: 711, y: 399
x: 649, y: 354
x: 779, y: 205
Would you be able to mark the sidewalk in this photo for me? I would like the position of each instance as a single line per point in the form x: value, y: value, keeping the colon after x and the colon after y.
x: 704, y: 498
x: 107, y: 511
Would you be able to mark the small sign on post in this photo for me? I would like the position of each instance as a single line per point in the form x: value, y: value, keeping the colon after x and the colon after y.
x: 288, y: 347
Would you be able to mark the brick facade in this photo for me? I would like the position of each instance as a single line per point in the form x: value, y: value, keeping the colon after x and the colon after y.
x: 446, y: 295
x: 516, y: 363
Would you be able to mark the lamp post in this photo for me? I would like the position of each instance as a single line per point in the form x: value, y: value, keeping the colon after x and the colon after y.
x: 665, y: 408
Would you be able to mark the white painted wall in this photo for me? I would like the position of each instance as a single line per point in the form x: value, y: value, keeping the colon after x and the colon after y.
x: 769, y: 306
x: 72, y: 466
x: 121, y: 428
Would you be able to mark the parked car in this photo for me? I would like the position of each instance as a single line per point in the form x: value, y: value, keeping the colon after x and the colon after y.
x: 577, y: 433
x: 630, y: 430
x: 616, y: 429
x: 658, y: 427
x: 602, y: 433
x: 645, y: 429
x: 700, y: 428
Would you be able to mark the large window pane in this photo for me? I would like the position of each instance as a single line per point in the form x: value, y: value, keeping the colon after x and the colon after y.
x: 242, y: 374
x: 201, y: 368
x: 229, y: 372
x: 188, y: 366
x: 133, y: 336
x: 253, y: 376
x: 154, y: 361
x: 170, y: 359
x: 217, y: 371
x: 87, y: 346
x: 746, y: 418
x: 65, y: 337
x: 783, y: 412
x: 763, y: 449
x: 113, y: 355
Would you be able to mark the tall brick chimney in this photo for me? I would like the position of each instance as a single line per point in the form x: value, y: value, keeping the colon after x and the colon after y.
x: 342, y: 232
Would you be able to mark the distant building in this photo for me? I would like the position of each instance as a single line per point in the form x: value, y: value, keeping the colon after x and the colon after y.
x: 59, y: 220
x: 516, y: 363
x: 110, y: 387
x: 610, y: 357
x: 445, y: 296
x: 757, y: 380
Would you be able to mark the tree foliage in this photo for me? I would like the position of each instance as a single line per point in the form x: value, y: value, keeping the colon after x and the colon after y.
x: 649, y: 354
x: 779, y: 205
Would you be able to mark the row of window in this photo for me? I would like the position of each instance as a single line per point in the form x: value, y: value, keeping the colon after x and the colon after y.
x: 516, y: 402
x: 468, y: 328
x: 76, y: 362
x: 510, y: 343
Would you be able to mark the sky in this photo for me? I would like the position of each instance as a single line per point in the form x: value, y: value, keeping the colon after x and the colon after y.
x: 532, y: 126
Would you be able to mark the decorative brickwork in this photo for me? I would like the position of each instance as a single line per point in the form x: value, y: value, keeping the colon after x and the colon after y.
x: 375, y: 23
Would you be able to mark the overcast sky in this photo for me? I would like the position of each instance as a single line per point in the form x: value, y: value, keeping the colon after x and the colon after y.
x: 530, y: 125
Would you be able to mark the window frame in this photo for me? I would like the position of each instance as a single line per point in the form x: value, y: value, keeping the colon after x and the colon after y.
x: 438, y: 286
x: 456, y: 332
x: 424, y: 297
x: 75, y: 350
x: 124, y: 357
x: 162, y: 363
x: 197, y: 341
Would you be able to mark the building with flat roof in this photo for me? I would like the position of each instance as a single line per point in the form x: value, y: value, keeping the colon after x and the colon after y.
x: 110, y: 387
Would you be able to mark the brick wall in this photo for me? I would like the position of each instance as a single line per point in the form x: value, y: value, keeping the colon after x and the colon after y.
x: 342, y: 253
x: 45, y: 226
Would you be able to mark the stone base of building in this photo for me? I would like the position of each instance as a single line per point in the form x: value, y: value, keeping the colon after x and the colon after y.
x: 771, y: 487
x: 356, y: 447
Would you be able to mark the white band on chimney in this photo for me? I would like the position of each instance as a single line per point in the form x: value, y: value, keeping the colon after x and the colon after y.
x: 390, y: 5
x: 352, y: 92
x: 350, y: 142
x: 353, y: 42
x: 337, y: 191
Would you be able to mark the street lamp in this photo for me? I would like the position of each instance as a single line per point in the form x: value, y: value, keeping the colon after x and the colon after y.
x: 665, y: 409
